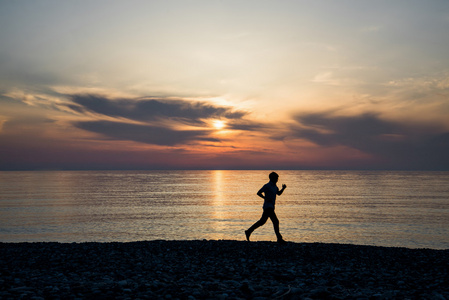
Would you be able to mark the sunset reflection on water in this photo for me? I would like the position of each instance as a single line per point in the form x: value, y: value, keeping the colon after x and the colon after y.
x: 382, y: 208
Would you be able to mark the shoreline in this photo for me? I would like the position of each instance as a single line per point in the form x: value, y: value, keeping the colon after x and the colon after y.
x: 220, y: 269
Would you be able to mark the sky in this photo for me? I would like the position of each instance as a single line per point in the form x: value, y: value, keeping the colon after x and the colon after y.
x: 224, y: 85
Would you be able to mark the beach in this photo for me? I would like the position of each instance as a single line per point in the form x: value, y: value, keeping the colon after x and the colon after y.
x: 220, y: 269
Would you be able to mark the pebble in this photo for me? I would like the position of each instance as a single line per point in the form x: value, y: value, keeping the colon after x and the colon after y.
x: 196, y: 270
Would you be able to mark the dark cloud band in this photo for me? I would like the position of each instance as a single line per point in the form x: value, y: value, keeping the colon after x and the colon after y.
x: 148, y: 110
x: 158, y: 117
x: 144, y: 133
x: 405, y: 146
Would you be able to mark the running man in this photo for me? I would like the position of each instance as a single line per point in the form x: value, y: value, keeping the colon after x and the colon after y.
x: 268, y: 192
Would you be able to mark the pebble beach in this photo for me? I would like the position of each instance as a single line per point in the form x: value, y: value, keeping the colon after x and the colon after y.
x: 221, y: 269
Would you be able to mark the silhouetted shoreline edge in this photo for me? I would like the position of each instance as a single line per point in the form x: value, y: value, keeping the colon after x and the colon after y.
x: 211, y: 269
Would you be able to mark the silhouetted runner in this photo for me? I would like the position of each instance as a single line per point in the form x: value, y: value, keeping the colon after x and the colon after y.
x: 268, y: 192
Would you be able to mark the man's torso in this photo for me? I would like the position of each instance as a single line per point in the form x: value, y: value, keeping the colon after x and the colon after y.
x: 270, y: 191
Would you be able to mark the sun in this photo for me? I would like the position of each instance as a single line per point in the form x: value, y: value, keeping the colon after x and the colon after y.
x: 219, y: 124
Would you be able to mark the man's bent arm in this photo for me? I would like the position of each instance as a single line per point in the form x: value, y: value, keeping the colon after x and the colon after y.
x: 282, y: 190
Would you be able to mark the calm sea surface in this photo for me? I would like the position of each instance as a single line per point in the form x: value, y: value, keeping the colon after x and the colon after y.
x: 406, y: 209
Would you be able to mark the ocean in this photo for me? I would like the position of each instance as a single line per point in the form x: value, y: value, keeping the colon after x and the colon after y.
x: 380, y: 208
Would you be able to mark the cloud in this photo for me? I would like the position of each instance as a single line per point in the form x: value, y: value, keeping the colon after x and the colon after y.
x: 150, y: 109
x: 155, y: 121
x: 395, y: 144
x: 325, y: 78
x: 246, y: 125
x: 145, y: 133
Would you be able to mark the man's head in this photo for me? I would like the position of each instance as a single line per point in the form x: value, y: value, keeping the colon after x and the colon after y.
x: 273, y: 177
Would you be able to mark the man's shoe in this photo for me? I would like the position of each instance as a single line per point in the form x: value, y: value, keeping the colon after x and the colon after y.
x: 247, y: 233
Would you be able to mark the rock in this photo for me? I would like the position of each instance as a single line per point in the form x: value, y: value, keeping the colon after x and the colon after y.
x: 122, y: 283
x: 222, y: 296
x: 320, y: 293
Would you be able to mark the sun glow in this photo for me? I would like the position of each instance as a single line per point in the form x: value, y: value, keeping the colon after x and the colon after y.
x: 219, y: 124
